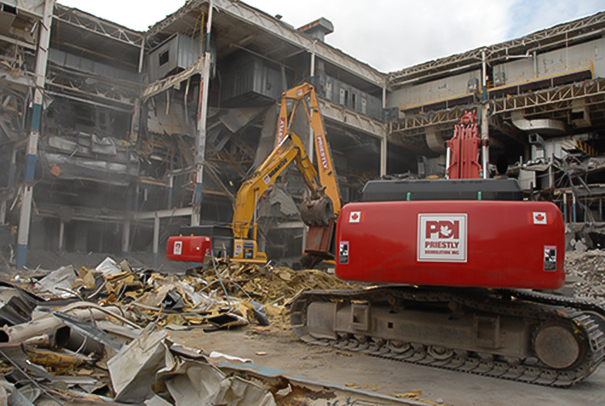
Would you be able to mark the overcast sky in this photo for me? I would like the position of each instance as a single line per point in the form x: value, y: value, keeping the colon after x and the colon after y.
x: 387, y: 34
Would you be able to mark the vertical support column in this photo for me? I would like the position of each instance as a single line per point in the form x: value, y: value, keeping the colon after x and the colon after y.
x: 3, y: 212
x: 384, y: 141
x: 564, y: 207
x: 10, y: 185
x: 310, y: 151
x: 156, y: 239
x: 137, y: 192
x: 484, y: 124
x: 125, y: 238
x: 170, y: 190
x: 61, y: 235
x: 135, y: 121
x: 32, y: 144
x: 200, y: 139
x: 141, y: 54
x: 312, y: 70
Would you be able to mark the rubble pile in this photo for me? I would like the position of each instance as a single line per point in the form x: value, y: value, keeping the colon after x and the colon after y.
x: 102, y: 335
x: 587, y: 270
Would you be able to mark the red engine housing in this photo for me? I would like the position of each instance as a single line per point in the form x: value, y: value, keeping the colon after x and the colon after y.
x: 489, y: 244
x: 188, y: 248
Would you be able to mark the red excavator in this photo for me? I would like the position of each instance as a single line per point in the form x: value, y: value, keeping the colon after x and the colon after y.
x: 463, y: 271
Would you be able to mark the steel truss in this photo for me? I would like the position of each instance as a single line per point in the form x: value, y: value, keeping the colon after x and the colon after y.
x: 578, y: 29
x: 101, y: 27
x: 551, y: 100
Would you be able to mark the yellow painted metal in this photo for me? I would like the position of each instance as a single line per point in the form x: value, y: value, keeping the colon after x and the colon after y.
x: 291, y: 149
x: 288, y: 148
x: 305, y: 94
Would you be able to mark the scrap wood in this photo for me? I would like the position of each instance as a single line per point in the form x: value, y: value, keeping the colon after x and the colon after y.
x: 86, y: 279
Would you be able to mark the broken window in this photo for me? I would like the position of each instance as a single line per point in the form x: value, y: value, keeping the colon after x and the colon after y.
x: 164, y: 57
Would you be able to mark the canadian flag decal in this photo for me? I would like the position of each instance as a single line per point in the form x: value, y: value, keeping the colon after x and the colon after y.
x: 355, y: 217
x: 539, y: 217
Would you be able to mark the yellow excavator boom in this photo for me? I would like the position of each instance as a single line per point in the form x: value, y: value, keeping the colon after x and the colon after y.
x: 290, y: 149
x: 306, y: 96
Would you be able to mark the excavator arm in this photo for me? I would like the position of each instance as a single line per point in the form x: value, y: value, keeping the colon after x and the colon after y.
x: 290, y: 149
x: 304, y: 95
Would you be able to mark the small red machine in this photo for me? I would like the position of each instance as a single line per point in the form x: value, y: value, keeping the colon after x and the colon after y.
x: 188, y: 249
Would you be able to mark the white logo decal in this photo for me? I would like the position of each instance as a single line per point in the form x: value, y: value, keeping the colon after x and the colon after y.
x: 539, y: 217
x: 280, y: 130
x: 178, y: 247
x: 322, y: 153
x: 442, y: 237
x: 355, y: 217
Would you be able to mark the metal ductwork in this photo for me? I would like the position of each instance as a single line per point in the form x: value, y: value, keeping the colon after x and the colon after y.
x: 543, y: 126
x: 434, y: 140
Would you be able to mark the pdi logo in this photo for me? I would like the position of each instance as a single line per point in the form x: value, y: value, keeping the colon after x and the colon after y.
x: 442, y: 237
x: 443, y: 229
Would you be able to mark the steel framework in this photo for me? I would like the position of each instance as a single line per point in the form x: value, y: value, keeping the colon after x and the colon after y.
x: 543, y: 39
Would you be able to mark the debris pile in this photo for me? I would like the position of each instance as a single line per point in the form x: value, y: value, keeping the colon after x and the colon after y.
x: 102, y: 335
x: 587, y: 269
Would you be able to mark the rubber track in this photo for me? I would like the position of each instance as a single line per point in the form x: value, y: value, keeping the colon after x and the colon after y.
x: 587, y: 316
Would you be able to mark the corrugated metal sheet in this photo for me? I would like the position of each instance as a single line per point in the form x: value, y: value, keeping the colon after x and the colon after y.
x: 250, y: 80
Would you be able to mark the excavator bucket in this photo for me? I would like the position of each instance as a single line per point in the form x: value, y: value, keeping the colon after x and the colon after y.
x: 317, y: 212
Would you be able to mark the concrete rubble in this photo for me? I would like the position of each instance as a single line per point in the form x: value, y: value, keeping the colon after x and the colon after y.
x: 586, y: 272
x: 99, y: 336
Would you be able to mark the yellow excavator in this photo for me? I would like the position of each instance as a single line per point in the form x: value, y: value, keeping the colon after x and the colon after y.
x: 319, y: 211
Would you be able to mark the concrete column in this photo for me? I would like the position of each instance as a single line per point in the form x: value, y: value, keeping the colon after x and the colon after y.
x: 125, y: 238
x: 484, y: 124
x: 200, y: 139
x: 137, y: 192
x: 156, y: 239
x: 32, y: 144
x: 385, y: 138
x: 312, y: 70
x: 310, y: 151
x: 141, y: 54
x: 383, y: 155
x: 61, y: 235
x: 10, y: 185
x: 170, y: 190
x: 484, y: 139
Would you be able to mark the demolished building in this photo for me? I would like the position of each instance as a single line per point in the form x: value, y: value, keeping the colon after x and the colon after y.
x: 111, y: 138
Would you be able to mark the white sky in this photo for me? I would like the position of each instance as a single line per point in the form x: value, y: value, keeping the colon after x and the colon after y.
x: 387, y: 34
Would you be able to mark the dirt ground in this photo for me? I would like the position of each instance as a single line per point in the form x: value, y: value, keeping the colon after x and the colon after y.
x: 280, y: 349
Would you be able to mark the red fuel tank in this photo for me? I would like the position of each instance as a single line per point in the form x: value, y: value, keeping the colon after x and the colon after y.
x: 490, y: 244
x: 188, y: 248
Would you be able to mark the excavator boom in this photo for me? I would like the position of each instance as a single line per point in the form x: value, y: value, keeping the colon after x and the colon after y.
x: 290, y: 149
x: 306, y: 96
